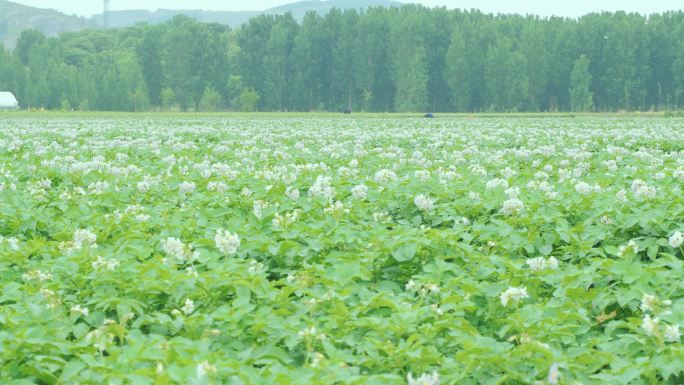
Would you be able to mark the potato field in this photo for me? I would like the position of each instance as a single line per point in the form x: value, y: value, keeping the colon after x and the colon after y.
x: 151, y: 250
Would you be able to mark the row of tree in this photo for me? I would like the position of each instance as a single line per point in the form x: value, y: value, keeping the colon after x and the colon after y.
x: 400, y: 59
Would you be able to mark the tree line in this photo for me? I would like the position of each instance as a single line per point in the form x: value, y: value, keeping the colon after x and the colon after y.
x: 408, y: 59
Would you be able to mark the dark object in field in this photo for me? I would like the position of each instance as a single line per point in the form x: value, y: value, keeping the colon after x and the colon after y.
x: 429, y: 115
x: 347, y: 111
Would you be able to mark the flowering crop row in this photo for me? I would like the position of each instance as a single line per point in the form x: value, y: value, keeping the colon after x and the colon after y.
x: 350, y: 251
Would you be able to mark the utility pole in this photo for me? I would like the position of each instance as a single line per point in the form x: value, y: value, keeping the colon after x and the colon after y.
x: 105, y: 13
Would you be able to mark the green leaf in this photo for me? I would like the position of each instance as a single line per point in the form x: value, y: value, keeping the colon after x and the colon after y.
x: 546, y: 249
x: 70, y: 370
x: 405, y: 252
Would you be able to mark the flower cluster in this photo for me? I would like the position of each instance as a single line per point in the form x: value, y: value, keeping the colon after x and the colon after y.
x: 541, y: 264
x: 642, y: 190
x: 359, y: 192
x: 385, y: 176
x: 630, y: 247
x: 173, y: 247
x: 79, y: 310
x: 187, y: 187
x: 105, y: 264
x: 83, y: 239
x: 676, y: 239
x: 512, y: 206
x: 584, y: 188
x: 514, y: 294
x: 424, y: 379
x: 226, y: 242
x: 423, y: 202
x: 322, y: 188
x: 422, y: 289
x: 650, y: 325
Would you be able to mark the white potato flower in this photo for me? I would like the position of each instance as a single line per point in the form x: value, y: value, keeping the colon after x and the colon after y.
x: 642, y: 190
x: 423, y: 175
x: 672, y: 333
x: 513, y: 294
x: 541, y: 264
x: 174, y: 247
x: 583, y: 188
x: 552, y: 263
x: 474, y: 196
x: 187, y: 187
x: 226, y: 242
x: 177, y: 249
x: 649, y: 325
x: 322, y: 188
x: 621, y: 195
x: 188, y: 307
x: 649, y: 303
x: 536, y: 264
x: 424, y: 379
x: 385, y: 176
x: 359, y: 192
x: 106, y: 264
x: 258, y: 207
x: 204, y: 369
x: 78, y: 309
x: 676, y: 239
x: 13, y: 243
x: 423, y: 202
x: 336, y: 208
x: 292, y: 193
x: 496, y: 183
x: 512, y: 206
x: 554, y: 374
x: 84, y: 238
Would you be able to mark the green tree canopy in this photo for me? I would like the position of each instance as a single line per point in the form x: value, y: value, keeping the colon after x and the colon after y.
x: 581, y: 97
x: 410, y: 58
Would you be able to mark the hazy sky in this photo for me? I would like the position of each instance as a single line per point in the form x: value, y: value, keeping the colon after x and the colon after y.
x: 540, y: 7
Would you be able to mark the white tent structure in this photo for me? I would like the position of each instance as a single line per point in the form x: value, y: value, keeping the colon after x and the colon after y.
x: 8, y: 101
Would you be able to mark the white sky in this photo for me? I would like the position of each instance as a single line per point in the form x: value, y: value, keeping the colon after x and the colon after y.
x: 541, y: 7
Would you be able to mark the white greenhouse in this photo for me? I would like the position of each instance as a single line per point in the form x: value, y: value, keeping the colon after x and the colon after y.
x: 8, y: 101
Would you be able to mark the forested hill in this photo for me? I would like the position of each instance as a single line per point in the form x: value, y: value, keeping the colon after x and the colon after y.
x: 410, y: 58
x: 122, y: 19
x: 14, y: 18
x: 299, y: 9
x: 119, y: 19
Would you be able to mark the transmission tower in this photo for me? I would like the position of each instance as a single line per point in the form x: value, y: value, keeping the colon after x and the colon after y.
x: 105, y: 13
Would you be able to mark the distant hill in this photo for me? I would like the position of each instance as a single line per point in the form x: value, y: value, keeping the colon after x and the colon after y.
x: 300, y: 8
x: 122, y: 19
x: 14, y: 18
x: 118, y: 19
